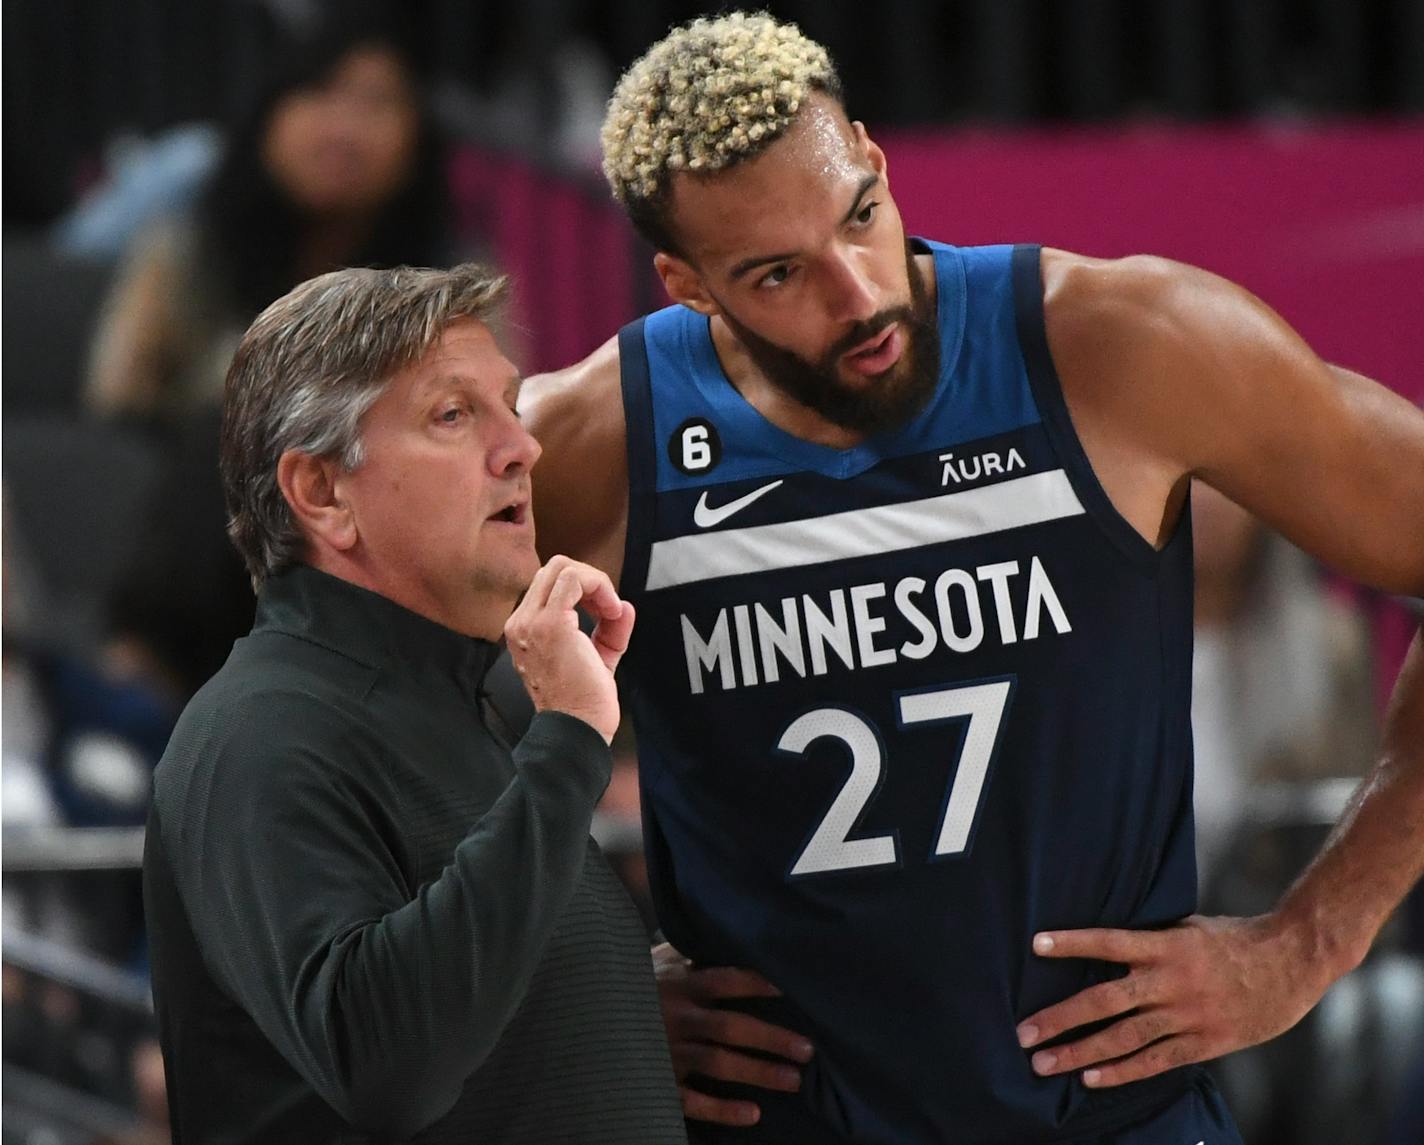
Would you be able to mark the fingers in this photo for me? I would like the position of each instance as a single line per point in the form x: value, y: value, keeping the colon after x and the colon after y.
x: 731, y: 1028
x: 537, y: 594
x: 561, y: 573
x: 1159, y: 1017
x: 702, y: 1107
x: 723, y: 1064
x: 715, y: 983
x: 1106, y: 1000
x: 669, y: 961
x: 709, y: 1023
x: 578, y: 584
x: 562, y: 669
x: 611, y: 635
x: 1160, y: 1057
x: 1116, y: 1041
x: 1103, y: 944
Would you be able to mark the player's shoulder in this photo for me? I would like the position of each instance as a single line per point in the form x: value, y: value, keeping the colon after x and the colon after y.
x: 1142, y: 299
x: 589, y: 389
x: 1139, y: 341
x: 581, y: 480
x: 1077, y: 284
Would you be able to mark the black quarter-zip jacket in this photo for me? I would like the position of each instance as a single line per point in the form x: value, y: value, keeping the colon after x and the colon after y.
x: 370, y: 921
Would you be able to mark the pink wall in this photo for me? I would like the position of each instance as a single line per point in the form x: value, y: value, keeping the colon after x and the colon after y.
x: 1326, y: 223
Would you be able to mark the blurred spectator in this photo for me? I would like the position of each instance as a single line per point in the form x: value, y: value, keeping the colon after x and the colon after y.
x: 1282, y: 698
x: 148, y: 179
x: 338, y: 163
x: 1281, y: 687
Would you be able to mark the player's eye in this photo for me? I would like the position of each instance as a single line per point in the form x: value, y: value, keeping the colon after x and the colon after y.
x: 776, y: 276
x: 866, y: 215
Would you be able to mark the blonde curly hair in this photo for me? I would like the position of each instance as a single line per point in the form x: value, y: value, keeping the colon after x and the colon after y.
x: 707, y: 95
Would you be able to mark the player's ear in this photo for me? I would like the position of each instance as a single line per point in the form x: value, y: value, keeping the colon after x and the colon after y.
x: 871, y: 150
x: 312, y: 489
x: 683, y: 283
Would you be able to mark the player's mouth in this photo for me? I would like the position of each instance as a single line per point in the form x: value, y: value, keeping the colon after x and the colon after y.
x: 878, y: 354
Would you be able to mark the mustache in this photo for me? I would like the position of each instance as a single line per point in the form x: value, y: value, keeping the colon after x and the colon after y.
x: 869, y: 328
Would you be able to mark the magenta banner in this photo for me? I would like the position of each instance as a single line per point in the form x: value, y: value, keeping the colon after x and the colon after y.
x: 1325, y: 223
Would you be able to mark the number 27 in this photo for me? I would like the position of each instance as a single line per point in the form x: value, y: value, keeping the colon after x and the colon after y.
x: 830, y: 848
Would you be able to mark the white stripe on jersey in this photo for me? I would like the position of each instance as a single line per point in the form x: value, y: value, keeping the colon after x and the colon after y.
x: 1030, y: 500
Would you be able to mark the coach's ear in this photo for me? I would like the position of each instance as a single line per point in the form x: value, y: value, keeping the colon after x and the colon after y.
x: 683, y: 283
x: 309, y: 485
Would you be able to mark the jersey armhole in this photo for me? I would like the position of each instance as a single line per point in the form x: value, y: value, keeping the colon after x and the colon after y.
x: 1053, y: 408
x: 635, y: 377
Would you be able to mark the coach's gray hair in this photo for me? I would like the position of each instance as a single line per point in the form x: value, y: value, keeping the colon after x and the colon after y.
x: 309, y: 368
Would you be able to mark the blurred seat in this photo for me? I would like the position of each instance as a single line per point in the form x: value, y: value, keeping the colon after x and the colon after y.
x: 52, y: 304
x: 1339, y: 1074
x: 78, y: 493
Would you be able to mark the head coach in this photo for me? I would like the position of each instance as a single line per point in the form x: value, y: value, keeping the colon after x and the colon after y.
x: 372, y: 918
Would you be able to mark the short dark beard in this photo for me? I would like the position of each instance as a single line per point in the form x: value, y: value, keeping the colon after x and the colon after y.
x: 892, y: 399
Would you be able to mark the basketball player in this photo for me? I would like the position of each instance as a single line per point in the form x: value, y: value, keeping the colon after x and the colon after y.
x: 907, y: 530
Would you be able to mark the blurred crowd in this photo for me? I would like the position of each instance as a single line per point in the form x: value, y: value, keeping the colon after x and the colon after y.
x: 122, y: 593
x: 337, y: 161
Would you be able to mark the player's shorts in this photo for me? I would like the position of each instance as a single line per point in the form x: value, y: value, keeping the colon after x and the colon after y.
x: 1198, y: 1117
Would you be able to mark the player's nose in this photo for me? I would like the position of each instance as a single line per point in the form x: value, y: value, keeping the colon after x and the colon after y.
x: 852, y: 293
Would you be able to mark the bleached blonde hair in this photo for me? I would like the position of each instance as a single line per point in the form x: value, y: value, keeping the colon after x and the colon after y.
x: 709, y: 94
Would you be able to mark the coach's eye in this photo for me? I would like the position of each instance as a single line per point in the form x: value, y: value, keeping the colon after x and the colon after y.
x: 452, y: 414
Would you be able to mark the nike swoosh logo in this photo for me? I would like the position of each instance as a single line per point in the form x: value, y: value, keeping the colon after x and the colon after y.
x: 705, y: 516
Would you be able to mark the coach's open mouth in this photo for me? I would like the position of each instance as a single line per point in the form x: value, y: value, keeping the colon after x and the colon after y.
x: 515, y: 513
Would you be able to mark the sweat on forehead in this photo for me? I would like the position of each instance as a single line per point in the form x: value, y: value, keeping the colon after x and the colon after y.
x: 816, y: 169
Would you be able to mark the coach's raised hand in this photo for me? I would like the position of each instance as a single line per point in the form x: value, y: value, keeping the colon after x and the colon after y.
x: 565, y: 669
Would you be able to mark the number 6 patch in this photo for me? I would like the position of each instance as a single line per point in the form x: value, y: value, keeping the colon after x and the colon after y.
x: 694, y: 446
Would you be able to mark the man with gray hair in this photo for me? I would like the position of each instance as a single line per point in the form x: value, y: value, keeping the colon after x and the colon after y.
x: 371, y: 918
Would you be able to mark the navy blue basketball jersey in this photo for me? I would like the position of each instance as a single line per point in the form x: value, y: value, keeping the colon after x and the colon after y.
x: 899, y: 707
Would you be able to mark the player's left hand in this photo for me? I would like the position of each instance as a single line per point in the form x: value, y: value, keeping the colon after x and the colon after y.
x: 1197, y: 990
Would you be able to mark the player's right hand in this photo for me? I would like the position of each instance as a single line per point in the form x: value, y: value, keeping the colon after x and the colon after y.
x: 707, y: 1041
x: 564, y: 669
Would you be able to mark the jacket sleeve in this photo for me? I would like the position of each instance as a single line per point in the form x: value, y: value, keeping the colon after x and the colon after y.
x: 385, y: 997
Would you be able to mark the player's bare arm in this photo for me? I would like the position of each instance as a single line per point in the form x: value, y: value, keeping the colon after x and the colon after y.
x: 1171, y: 373
x: 581, y: 480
